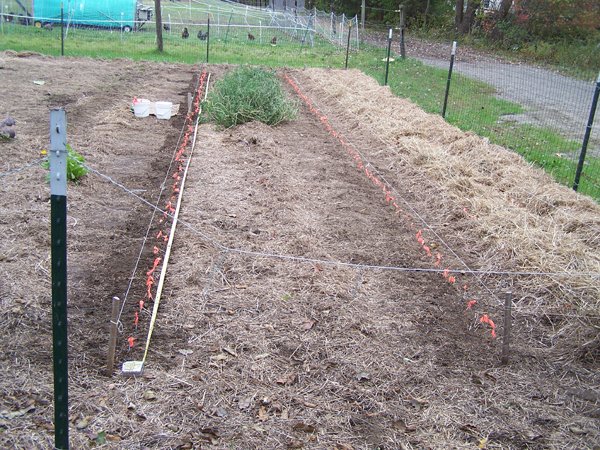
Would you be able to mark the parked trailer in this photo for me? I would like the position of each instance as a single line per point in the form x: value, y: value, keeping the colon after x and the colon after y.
x: 128, y: 15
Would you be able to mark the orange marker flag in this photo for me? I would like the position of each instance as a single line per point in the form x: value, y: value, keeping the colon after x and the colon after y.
x: 131, y: 341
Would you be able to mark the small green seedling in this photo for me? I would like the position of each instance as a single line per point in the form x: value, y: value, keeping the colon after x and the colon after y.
x: 75, y: 165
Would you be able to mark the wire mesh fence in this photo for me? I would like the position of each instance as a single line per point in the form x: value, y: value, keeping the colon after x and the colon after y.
x: 536, y: 112
x: 183, y: 26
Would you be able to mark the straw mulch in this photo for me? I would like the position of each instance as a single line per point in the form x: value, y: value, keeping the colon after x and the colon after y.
x: 513, y: 216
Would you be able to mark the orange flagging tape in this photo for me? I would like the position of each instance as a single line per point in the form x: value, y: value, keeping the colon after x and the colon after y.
x: 386, y: 190
x: 162, y: 236
x: 485, y: 319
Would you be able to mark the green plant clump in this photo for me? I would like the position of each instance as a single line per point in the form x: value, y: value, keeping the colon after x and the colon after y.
x: 75, y: 168
x: 248, y: 94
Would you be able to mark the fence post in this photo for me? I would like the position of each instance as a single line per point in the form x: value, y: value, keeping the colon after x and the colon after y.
x: 586, y: 137
x: 158, y: 21
x: 207, y: 38
x: 58, y: 235
x: 228, y: 25
x: 402, y: 26
x: 112, y: 341
x: 387, y: 60
x: 362, y: 14
x: 348, y: 44
x: 62, y: 30
x: 507, y: 328
x: 449, y: 79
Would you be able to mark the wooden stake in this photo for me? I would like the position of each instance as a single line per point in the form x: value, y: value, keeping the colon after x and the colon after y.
x: 507, y: 327
x: 112, y: 342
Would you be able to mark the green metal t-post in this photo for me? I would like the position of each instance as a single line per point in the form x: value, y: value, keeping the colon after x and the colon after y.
x: 58, y: 236
x: 452, y: 56
x: 387, y: 61
x: 586, y: 137
x: 207, y: 38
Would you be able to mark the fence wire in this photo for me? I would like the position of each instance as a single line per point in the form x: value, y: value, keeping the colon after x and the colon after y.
x: 536, y: 112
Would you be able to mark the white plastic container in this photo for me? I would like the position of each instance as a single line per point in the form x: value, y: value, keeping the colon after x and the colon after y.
x: 163, y: 110
x: 141, y: 108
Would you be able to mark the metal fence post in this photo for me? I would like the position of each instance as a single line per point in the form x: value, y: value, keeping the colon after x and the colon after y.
x: 387, y: 60
x: 58, y: 220
x: 207, y: 38
x: 588, y: 132
x: 62, y: 30
x: 449, y: 79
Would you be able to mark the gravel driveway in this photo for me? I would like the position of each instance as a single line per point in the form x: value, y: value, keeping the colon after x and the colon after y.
x: 550, y: 99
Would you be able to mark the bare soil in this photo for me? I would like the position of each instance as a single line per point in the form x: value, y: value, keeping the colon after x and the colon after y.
x: 257, y: 351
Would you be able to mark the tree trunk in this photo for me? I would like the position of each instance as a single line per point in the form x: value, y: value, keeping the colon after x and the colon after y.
x: 458, y: 18
x: 427, y: 9
x: 158, y: 17
x: 505, y: 8
x: 469, y: 16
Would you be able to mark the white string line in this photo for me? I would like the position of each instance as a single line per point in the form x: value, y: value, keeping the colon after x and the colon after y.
x: 22, y: 168
x: 223, y: 248
x: 413, y: 210
x: 162, y: 190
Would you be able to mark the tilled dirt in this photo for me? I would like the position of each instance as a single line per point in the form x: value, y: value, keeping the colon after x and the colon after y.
x: 252, y: 348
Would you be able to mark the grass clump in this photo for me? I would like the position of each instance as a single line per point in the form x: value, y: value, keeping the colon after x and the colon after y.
x: 248, y: 94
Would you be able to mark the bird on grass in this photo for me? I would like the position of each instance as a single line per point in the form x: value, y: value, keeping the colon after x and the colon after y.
x: 251, y: 37
x: 185, y: 33
x: 166, y: 27
x: 202, y: 36
x: 274, y: 40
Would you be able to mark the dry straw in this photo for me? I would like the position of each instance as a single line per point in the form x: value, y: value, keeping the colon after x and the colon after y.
x: 518, y: 217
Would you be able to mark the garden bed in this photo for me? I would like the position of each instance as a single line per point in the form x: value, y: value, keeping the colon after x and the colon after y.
x: 253, y: 349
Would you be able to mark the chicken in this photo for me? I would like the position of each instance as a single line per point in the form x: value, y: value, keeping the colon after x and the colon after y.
x: 6, y: 132
x: 8, y: 122
x: 251, y: 37
x: 202, y: 36
x: 274, y: 40
x: 166, y: 27
x: 185, y: 33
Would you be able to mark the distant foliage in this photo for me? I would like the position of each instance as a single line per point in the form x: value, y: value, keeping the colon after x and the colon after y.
x: 559, y: 18
x: 248, y: 94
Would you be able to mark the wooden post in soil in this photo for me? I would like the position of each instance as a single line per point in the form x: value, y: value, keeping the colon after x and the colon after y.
x: 507, y: 327
x: 112, y: 342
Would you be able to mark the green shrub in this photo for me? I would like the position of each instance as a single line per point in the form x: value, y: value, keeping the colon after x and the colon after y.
x: 248, y: 94
x: 75, y: 169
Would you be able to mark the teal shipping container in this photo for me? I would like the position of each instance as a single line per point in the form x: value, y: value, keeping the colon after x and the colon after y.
x: 127, y: 15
